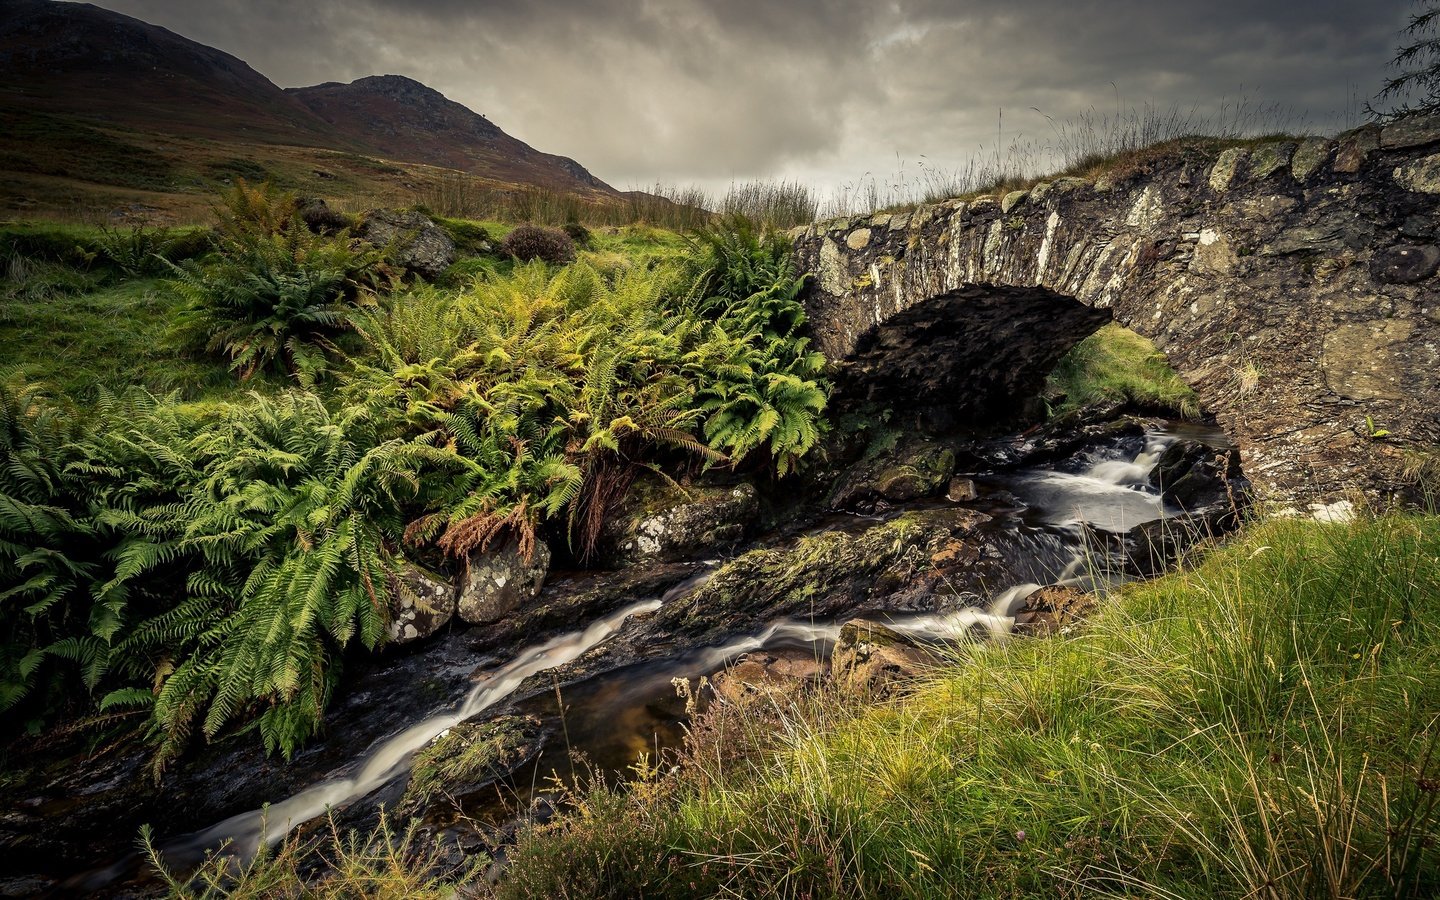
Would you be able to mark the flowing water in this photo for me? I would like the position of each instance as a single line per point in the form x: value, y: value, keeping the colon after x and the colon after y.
x: 617, y: 715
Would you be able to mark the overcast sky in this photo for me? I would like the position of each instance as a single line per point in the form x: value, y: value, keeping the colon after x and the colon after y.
x: 824, y: 91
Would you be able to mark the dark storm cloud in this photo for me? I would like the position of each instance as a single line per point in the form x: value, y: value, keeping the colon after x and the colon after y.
x: 710, y: 90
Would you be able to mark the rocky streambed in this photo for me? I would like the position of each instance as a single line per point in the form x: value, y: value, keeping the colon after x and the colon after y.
x: 856, y: 577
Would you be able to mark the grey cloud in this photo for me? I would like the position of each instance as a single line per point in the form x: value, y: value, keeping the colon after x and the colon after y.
x: 823, y: 90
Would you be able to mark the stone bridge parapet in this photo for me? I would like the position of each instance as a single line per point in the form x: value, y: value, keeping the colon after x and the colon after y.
x: 1291, y: 283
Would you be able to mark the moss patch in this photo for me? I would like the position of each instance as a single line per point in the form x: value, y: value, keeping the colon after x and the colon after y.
x: 468, y: 755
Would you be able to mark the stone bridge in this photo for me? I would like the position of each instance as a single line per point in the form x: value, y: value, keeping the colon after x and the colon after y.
x: 1291, y: 283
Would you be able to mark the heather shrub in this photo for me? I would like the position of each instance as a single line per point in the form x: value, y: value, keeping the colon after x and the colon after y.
x: 530, y: 242
x: 320, y: 218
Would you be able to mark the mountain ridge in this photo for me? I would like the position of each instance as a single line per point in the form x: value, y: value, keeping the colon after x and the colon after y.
x: 97, y: 77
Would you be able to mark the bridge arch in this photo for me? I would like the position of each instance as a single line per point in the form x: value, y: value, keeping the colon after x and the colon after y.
x: 1292, y: 284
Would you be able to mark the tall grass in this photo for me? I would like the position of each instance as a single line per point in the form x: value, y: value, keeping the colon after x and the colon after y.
x: 1264, y: 725
x: 777, y: 204
x: 334, y: 865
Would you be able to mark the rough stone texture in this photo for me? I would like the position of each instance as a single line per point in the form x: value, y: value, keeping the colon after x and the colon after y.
x: 1270, y: 159
x: 1422, y: 175
x: 1192, y: 476
x: 1053, y: 610
x: 1225, y: 167
x: 421, y: 246
x: 498, y: 581
x: 910, y: 472
x: 961, y: 490
x: 872, y: 657
x: 922, y: 553
x: 1294, y: 308
x: 660, y: 523
x: 1153, y: 547
x: 1310, y: 156
x: 1416, y: 131
x: 767, y: 674
x: 1355, y: 146
x: 421, y: 602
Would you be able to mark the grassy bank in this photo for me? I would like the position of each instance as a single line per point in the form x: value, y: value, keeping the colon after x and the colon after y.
x: 1263, y: 725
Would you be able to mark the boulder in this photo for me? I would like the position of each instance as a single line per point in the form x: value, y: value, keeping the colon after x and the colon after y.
x: 907, y: 562
x: 421, y: 602
x: 910, y: 472
x: 661, y: 522
x: 496, y: 582
x: 1152, y: 547
x: 961, y: 490
x: 766, y: 674
x: 874, y: 657
x: 1194, y: 476
x: 418, y: 244
x: 1052, y: 610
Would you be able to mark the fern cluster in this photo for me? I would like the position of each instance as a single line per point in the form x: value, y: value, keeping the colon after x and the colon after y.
x: 761, y: 385
x: 208, y: 568
x: 275, y: 292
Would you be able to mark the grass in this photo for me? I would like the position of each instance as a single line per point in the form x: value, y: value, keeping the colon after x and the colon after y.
x: 1262, y: 725
x: 107, y: 336
x: 385, y: 864
x: 1117, y: 365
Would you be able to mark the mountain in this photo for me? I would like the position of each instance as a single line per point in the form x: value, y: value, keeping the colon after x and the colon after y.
x: 403, y: 119
x: 78, y: 59
x: 84, y: 90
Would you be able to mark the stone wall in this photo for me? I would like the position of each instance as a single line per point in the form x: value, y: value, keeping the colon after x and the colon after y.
x: 1292, y: 284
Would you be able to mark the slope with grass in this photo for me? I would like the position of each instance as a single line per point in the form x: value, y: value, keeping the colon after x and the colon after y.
x: 1262, y: 724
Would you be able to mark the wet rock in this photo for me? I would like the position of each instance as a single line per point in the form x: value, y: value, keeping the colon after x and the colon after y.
x: 421, y: 603
x: 497, y: 582
x: 419, y: 244
x: 961, y: 490
x: 1153, y: 547
x: 873, y: 657
x: 660, y: 522
x: 1053, y: 610
x: 1192, y: 475
x: 469, y: 756
x: 833, y: 572
x: 767, y: 674
x: 911, y: 472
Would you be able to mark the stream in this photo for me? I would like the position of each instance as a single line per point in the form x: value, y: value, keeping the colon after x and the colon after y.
x: 1059, y: 523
